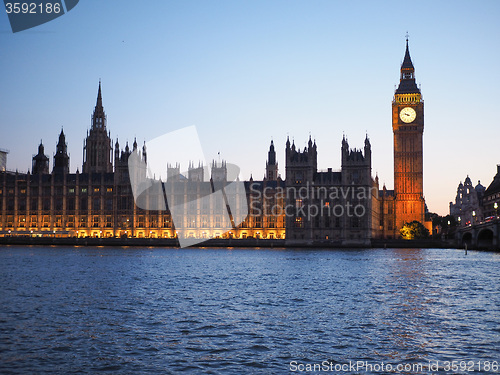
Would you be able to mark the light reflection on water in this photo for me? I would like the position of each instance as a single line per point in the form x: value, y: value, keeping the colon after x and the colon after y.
x: 242, y: 311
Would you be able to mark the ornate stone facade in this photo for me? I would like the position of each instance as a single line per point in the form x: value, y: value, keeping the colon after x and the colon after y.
x: 468, y: 207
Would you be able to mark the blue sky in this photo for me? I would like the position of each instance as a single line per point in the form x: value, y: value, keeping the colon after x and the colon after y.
x: 246, y: 72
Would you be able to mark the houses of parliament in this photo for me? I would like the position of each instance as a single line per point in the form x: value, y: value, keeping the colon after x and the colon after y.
x: 343, y: 207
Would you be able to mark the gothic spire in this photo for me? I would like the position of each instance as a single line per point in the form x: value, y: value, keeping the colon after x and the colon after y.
x: 99, y: 118
x: 61, y: 158
x: 99, y: 97
x: 271, y: 155
x: 407, y: 63
x: 407, y: 84
x: 97, y: 153
x: 40, y: 161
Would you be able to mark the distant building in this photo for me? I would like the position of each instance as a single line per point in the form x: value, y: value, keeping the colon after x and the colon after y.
x: 491, y: 199
x: 468, y: 207
x: 3, y: 160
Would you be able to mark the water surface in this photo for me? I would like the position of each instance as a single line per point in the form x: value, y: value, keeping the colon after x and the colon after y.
x: 235, y: 311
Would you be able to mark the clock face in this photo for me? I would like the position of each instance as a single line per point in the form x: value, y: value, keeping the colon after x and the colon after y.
x: 407, y: 114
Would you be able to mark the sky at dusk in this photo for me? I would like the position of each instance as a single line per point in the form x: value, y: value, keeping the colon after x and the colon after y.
x: 245, y: 72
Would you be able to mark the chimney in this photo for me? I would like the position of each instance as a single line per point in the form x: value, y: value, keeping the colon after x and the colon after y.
x: 498, y: 168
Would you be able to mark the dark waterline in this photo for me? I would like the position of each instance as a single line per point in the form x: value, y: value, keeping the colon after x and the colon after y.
x: 237, y: 311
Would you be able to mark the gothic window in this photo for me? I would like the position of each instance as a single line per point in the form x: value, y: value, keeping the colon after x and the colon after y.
x: 83, y: 204
x: 96, y: 204
x: 272, y: 221
x: 71, y: 204
x: 298, y: 178
x: 21, y: 204
x: 153, y: 222
x: 141, y: 222
x: 337, y: 222
x: 355, y: 222
x: 109, y: 204
x: 299, y: 223
x: 258, y: 222
x: 166, y: 222
x: 191, y: 221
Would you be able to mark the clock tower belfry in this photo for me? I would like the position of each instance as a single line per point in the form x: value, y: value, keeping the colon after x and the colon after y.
x: 408, y: 129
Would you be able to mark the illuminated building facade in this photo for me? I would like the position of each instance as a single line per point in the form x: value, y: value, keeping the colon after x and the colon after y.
x: 344, y: 206
x: 98, y: 202
x: 468, y: 208
x: 330, y: 206
x: 3, y: 160
x: 408, y: 128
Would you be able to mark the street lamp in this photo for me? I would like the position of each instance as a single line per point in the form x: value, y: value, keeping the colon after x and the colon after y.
x: 495, y: 206
x: 474, y: 217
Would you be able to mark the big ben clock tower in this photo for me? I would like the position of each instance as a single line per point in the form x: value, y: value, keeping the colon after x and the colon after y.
x: 408, y: 128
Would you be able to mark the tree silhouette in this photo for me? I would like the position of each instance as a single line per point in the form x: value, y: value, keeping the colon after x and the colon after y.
x: 414, y: 230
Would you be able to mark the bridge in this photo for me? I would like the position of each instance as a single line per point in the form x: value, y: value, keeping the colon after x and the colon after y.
x: 483, y: 235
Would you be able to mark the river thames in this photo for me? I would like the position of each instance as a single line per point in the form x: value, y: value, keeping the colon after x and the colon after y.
x: 257, y: 311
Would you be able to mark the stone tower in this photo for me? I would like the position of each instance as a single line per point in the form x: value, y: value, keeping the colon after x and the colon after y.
x: 271, y: 164
x: 356, y: 164
x: 97, y: 149
x: 61, y: 158
x: 300, y: 165
x: 408, y: 128
x: 40, y: 161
